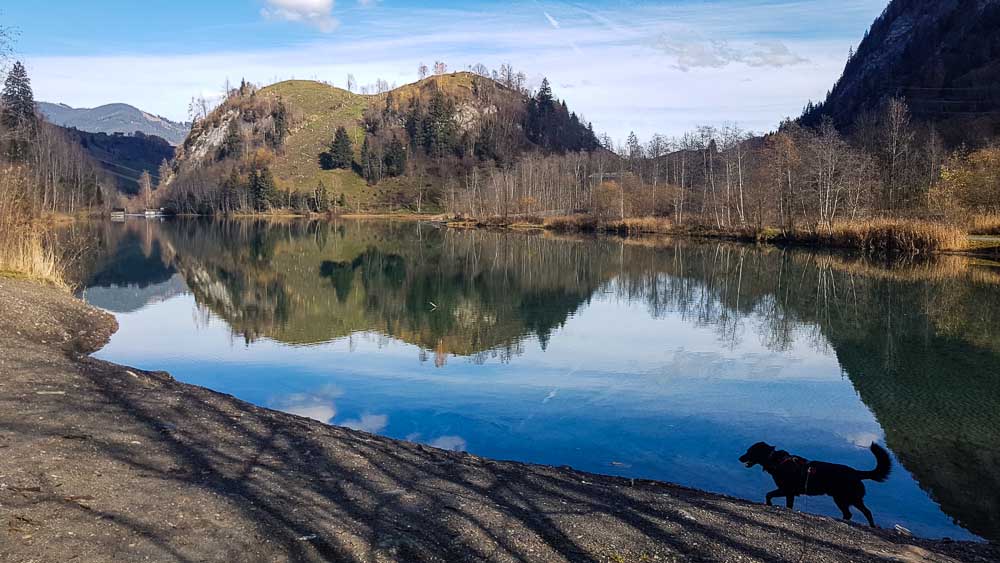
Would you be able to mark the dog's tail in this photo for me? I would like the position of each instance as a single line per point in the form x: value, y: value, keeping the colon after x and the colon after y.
x: 883, y: 465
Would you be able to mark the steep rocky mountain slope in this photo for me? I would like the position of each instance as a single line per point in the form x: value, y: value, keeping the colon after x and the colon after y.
x: 114, y: 118
x: 941, y: 56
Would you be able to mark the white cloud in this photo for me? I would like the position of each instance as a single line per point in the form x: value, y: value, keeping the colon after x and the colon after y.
x: 314, y: 12
x: 717, y: 54
x: 772, y: 53
x: 552, y: 21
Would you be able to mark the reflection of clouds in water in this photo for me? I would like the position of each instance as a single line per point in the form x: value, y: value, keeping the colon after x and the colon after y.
x: 453, y: 443
x: 863, y: 439
x: 372, y: 423
x: 318, y: 405
x: 695, y: 364
x: 322, y: 413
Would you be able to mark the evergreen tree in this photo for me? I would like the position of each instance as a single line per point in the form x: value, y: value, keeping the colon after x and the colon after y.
x: 18, y: 115
x: 232, y: 144
x: 544, y: 96
x: 275, y: 137
x: 439, y: 125
x: 263, y: 190
x: 395, y: 158
x: 341, y: 153
x: 269, y: 188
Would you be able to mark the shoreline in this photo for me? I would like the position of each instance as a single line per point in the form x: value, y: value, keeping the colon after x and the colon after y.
x: 638, y: 228
x: 641, y: 227
x: 101, y: 462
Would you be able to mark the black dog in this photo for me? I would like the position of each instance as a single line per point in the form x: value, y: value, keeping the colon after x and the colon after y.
x: 797, y: 476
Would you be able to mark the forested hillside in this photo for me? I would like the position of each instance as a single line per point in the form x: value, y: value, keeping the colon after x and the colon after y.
x: 309, y: 146
x: 941, y: 56
x: 124, y: 158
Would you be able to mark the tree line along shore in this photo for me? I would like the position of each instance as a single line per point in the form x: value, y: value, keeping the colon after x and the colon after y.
x: 483, y: 150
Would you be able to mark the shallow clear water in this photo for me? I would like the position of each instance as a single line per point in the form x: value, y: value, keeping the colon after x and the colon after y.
x: 658, y: 361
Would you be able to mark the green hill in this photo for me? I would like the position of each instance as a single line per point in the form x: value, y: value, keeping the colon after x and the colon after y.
x: 261, y: 149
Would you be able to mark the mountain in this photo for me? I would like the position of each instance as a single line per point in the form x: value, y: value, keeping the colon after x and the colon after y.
x: 114, y: 118
x: 405, y: 146
x: 125, y: 157
x: 941, y: 56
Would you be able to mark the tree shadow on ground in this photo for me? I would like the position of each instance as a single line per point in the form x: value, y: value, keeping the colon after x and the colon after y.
x: 312, y: 492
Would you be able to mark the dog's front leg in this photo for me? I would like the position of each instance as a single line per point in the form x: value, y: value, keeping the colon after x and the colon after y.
x: 790, y: 501
x: 774, y: 493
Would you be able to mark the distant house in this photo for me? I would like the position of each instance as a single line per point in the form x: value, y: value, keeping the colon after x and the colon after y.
x: 154, y: 212
x: 118, y: 214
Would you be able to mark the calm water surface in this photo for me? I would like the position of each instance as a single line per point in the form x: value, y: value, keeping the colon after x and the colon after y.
x: 661, y: 361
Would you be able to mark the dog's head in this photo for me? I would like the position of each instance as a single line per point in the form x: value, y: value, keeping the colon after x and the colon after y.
x: 757, y: 454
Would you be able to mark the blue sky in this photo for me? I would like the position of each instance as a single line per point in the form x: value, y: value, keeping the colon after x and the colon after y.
x: 662, y: 66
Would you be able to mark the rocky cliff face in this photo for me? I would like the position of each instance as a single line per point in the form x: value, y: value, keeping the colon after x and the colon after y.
x: 942, y: 56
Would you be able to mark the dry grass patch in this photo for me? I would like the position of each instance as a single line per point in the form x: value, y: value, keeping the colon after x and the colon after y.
x: 639, y: 225
x: 894, y: 236
x: 23, y: 249
x: 25, y: 254
x: 988, y: 224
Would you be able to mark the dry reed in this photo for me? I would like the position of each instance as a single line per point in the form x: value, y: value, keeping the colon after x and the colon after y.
x: 25, y: 254
x: 888, y: 236
x: 23, y: 249
x: 988, y: 224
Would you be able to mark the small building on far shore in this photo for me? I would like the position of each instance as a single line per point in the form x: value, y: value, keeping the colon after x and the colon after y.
x: 118, y: 214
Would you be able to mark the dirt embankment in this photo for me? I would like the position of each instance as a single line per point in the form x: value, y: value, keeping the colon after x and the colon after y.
x: 99, y: 462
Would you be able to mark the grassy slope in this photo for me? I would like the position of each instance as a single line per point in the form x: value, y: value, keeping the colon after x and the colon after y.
x: 320, y: 109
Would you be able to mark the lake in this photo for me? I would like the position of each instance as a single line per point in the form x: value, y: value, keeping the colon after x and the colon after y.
x: 652, y: 359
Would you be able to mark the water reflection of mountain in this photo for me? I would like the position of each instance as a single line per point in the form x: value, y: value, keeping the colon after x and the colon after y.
x: 129, y: 298
x: 919, y: 342
x: 129, y: 268
x: 470, y: 294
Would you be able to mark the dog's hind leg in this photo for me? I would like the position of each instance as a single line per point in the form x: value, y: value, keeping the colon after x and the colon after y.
x: 845, y: 507
x: 860, y: 503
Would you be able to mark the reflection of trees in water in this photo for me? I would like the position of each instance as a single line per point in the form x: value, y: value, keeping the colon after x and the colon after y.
x: 108, y: 254
x: 919, y: 341
x: 472, y: 294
